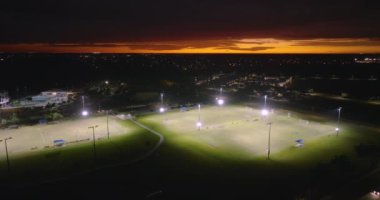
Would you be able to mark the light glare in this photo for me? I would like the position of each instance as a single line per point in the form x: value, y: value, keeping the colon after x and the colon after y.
x: 162, y: 110
x: 199, y: 124
x: 85, y: 113
x: 220, y: 102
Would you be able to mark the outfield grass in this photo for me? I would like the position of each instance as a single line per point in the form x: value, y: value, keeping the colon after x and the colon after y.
x: 127, y: 142
x: 239, y: 129
x: 225, y: 161
x: 37, y: 137
x: 233, y: 147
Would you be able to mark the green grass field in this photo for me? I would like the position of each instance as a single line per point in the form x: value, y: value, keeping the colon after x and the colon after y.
x: 33, y: 155
x: 240, y: 130
x: 226, y: 157
x: 233, y: 142
x: 37, y: 137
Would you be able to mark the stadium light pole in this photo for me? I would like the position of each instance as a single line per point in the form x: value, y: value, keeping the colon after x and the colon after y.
x: 6, y: 151
x: 270, y: 127
x: 84, y: 112
x: 162, y: 109
x: 93, y: 138
x: 162, y: 99
x: 108, y: 130
x: 199, y: 123
x: 220, y: 99
x: 265, y: 101
x: 82, y: 102
x: 264, y: 111
x: 337, y: 129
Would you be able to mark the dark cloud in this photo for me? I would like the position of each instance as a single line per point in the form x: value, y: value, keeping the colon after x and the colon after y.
x: 221, y: 44
x: 80, y: 45
x: 341, y: 42
x: 251, y: 49
x: 100, y: 21
x: 156, y: 47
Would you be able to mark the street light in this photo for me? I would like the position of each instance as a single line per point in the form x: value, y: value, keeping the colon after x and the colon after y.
x: 6, y: 151
x: 199, y: 123
x: 337, y: 129
x: 270, y: 127
x: 93, y: 138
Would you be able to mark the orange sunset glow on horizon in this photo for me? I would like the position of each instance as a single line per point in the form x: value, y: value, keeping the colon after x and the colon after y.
x: 227, y: 46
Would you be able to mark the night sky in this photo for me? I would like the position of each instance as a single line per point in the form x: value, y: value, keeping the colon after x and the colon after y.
x: 184, y: 26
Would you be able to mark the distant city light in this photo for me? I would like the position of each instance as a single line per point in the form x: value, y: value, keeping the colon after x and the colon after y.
x: 106, y: 82
x: 220, y: 102
x: 85, y: 113
x: 264, y: 112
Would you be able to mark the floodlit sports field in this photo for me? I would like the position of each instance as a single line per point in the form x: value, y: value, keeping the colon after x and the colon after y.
x: 241, y: 128
x: 30, y: 138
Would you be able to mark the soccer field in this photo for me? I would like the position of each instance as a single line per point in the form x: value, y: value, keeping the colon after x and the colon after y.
x: 241, y: 129
x: 31, y: 138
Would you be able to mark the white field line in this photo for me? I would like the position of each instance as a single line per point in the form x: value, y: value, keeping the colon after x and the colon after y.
x: 158, y: 144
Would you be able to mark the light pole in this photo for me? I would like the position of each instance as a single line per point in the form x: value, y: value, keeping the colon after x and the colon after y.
x: 93, y: 138
x: 199, y: 123
x: 337, y: 129
x: 265, y: 102
x: 108, y: 130
x: 162, y: 109
x: 264, y: 111
x: 82, y: 102
x: 84, y: 112
x: 220, y: 100
x: 270, y: 127
x: 6, y: 151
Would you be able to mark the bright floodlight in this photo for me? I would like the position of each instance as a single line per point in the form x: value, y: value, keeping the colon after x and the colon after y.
x: 85, y: 113
x: 162, y: 110
x: 220, y: 102
x: 264, y: 112
x: 199, y: 124
x: 337, y: 129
